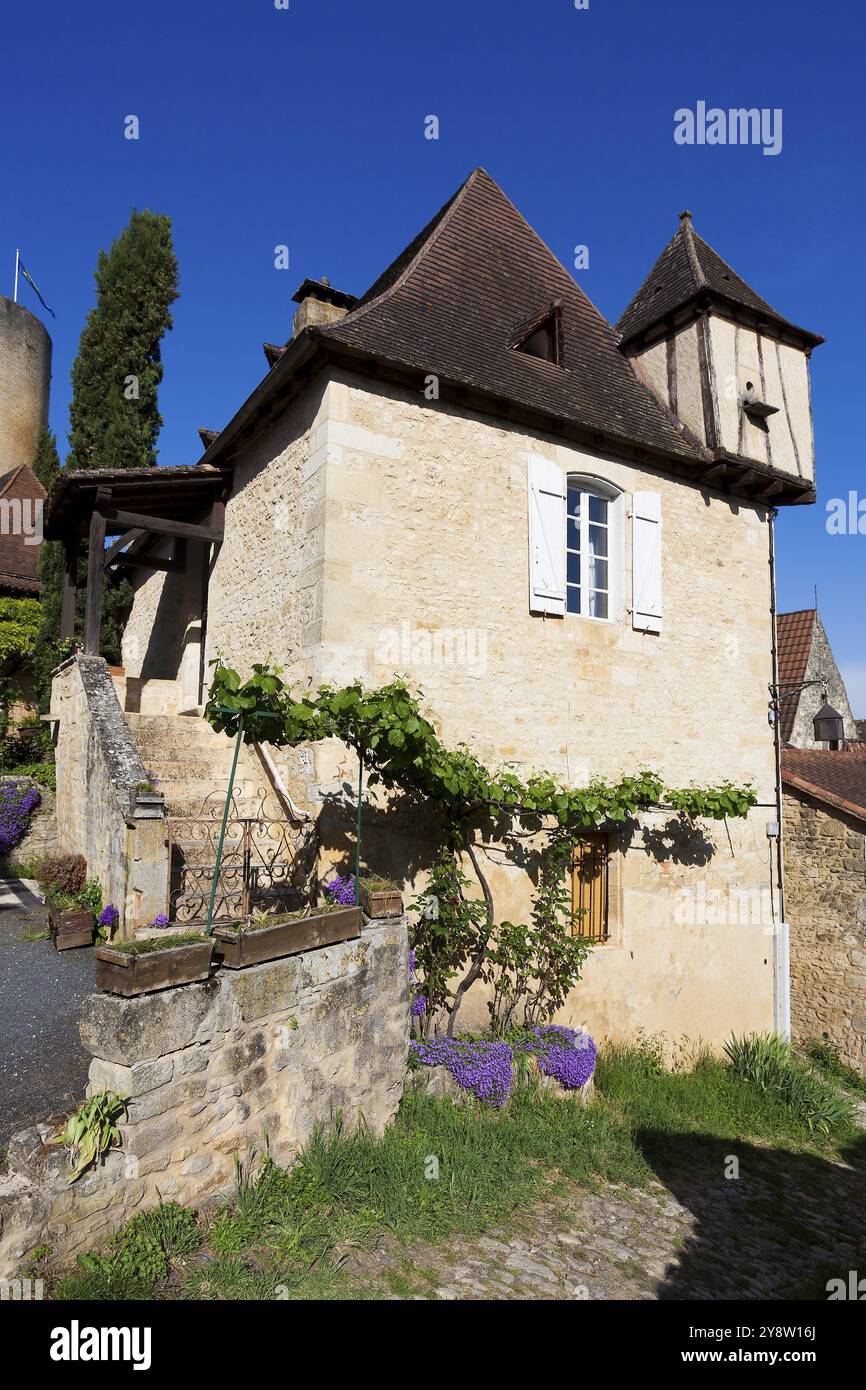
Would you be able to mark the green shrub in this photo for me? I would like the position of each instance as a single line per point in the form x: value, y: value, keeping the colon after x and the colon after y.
x: 768, y: 1062
x: 139, y: 1256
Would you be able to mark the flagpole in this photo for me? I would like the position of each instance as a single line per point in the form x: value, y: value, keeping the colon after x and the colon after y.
x: 15, y: 292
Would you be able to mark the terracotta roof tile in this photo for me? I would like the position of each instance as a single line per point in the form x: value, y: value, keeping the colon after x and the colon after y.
x: 450, y: 303
x: 686, y: 268
x: 794, y: 639
x: 835, y: 777
x: 18, y: 559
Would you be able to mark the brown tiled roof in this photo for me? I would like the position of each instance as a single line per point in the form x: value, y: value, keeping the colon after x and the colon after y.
x: 450, y: 304
x: 18, y: 560
x: 687, y: 268
x: 837, y: 778
x: 794, y: 640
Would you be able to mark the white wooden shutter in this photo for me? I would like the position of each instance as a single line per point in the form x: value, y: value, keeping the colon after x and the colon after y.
x: 546, y: 500
x: 646, y: 531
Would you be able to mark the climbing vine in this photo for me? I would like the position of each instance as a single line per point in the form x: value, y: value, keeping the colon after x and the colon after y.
x: 398, y: 745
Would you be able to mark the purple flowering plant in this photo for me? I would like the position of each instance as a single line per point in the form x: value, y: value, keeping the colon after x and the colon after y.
x: 159, y: 921
x: 484, y: 1068
x: 341, y: 889
x: 18, y: 801
x: 568, y: 1054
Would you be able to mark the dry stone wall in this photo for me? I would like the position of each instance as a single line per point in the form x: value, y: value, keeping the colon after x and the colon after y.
x: 825, y: 874
x: 247, y: 1062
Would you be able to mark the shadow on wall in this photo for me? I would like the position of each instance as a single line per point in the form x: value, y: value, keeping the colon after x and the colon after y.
x: 782, y: 1228
x: 401, y: 840
x: 165, y: 642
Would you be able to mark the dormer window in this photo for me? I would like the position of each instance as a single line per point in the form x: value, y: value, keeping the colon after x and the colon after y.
x: 542, y: 335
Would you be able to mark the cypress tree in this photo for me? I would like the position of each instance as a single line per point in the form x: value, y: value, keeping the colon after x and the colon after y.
x: 114, y: 420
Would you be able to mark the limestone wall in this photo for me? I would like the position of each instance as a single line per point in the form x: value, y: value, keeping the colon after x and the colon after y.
x: 25, y: 382
x: 246, y: 1063
x: 825, y: 875
x: 98, y: 812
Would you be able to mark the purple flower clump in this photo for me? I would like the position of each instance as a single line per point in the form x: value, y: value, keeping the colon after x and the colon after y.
x: 484, y: 1068
x: 567, y: 1054
x: 18, y: 800
x: 160, y: 921
x: 342, y: 890
x: 109, y: 917
x: 419, y: 1005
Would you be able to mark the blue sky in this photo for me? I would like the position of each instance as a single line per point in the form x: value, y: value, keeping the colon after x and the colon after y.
x: 305, y: 127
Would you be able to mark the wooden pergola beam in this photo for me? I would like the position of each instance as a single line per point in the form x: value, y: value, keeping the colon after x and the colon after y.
x: 95, y: 584
x: 150, y: 562
x: 114, y: 550
x: 160, y: 525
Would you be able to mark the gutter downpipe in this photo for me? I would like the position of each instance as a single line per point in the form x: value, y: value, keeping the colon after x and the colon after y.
x: 781, y: 935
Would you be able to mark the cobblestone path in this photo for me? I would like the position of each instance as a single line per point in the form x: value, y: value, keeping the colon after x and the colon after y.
x: 771, y: 1234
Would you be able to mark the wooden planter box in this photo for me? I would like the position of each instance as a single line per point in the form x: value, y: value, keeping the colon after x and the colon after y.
x: 124, y: 974
x: 70, y: 929
x: 381, y: 902
x: 237, y: 949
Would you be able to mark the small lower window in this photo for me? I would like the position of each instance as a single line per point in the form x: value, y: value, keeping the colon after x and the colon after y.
x: 589, y: 887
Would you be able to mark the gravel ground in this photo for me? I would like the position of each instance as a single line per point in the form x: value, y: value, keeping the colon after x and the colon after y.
x: 44, y: 1064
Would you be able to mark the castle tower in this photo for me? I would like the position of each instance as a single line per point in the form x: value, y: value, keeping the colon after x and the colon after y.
x: 25, y: 381
x: 722, y: 359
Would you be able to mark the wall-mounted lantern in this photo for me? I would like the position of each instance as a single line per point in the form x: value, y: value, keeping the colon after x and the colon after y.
x: 829, y: 725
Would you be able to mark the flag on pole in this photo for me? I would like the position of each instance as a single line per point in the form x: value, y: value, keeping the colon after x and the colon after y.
x: 29, y: 278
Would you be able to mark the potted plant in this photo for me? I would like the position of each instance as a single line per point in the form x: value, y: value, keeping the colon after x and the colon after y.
x: 380, y: 897
x: 139, y: 967
x: 72, y: 900
x: 263, y: 936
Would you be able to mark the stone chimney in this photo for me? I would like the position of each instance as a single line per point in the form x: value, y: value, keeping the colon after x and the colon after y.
x: 319, y: 302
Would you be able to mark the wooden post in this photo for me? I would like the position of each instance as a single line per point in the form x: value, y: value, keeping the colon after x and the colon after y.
x: 95, y: 582
x: 70, y: 589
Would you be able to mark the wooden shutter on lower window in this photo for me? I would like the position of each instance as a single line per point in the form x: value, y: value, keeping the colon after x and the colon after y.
x: 589, y: 881
x: 646, y: 533
x: 546, y: 502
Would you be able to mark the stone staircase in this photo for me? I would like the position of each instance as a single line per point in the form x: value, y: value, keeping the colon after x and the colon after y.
x: 191, y: 763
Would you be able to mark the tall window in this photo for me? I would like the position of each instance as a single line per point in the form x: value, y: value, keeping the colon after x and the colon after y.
x: 588, y: 547
x: 589, y: 887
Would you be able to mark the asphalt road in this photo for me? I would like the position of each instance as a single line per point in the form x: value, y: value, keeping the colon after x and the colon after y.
x: 44, y: 1066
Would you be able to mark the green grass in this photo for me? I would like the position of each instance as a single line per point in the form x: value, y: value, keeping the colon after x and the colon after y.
x: 157, y: 943
x: 287, y: 1234
x: 33, y: 935
x: 827, y: 1060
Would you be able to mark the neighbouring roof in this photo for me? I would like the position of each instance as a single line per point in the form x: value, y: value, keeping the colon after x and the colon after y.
x: 182, y: 494
x: 794, y: 632
x: 452, y: 301
x: 18, y: 559
x: 837, y: 778
x: 687, y: 269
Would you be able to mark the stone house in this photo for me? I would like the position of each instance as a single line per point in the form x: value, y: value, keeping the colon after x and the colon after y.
x: 824, y: 838
x: 559, y: 529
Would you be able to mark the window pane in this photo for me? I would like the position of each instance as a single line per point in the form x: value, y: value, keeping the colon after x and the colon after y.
x: 573, y: 537
x: 597, y: 508
x: 597, y: 573
x: 573, y: 575
x: 597, y: 604
x: 573, y: 598
x: 598, y: 540
x: 573, y: 505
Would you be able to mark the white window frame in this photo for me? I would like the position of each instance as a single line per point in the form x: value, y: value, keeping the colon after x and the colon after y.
x: 588, y: 484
